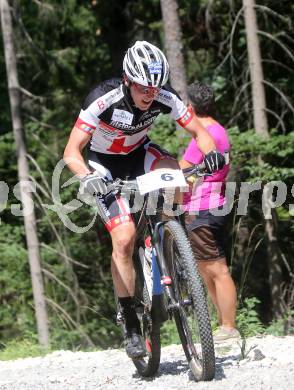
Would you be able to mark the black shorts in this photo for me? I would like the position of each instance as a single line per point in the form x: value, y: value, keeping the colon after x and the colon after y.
x: 207, y: 235
x: 114, y: 209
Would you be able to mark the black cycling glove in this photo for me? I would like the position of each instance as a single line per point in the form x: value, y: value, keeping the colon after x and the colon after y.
x: 94, y: 184
x: 214, y: 161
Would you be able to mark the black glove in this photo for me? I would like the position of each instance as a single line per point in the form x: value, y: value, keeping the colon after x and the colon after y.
x: 214, y: 161
x: 94, y: 184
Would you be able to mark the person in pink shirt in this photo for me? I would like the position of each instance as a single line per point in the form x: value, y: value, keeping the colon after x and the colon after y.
x: 206, y: 230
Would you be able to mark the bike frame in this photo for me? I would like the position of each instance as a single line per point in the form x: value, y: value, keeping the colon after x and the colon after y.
x: 160, y: 274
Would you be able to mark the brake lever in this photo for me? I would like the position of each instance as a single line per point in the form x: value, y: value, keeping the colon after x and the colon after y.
x: 198, y: 172
x: 201, y: 174
x: 113, y: 186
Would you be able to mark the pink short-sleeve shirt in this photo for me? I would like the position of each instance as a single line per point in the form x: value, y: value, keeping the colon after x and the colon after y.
x: 208, y: 192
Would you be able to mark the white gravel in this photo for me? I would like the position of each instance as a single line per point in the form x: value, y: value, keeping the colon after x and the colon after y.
x: 268, y: 364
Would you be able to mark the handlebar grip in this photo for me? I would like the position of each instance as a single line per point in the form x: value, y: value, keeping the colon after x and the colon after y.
x: 195, y: 168
x: 202, y: 166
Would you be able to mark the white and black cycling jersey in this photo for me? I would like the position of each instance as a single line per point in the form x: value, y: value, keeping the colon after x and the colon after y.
x: 116, y: 125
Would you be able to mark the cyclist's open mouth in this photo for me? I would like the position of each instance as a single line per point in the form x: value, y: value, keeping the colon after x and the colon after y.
x: 147, y: 103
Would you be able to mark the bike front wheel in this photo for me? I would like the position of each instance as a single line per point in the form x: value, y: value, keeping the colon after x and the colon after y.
x: 150, y: 325
x: 191, y: 313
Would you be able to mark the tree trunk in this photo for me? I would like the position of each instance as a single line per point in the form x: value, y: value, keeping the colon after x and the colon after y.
x: 174, y: 46
x: 256, y: 72
x: 23, y: 175
x: 261, y: 127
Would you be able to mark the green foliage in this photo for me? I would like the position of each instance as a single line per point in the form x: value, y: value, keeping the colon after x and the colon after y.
x: 165, y: 134
x: 212, y: 313
x: 56, y: 69
x: 20, y: 349
x: 276, y: 328
x: 16, y: 314
x: 276, y: 152
x: 282, y: 326
x: 248, y: 321
x: 169, y: 334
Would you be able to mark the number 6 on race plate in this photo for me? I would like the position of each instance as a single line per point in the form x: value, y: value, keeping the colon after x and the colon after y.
x: 161, y: 178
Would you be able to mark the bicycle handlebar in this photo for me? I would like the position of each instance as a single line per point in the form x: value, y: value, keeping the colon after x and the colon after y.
x: 198, y: 170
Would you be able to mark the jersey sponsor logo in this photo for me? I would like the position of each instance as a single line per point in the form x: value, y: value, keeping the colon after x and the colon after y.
x: 122, y: 116
x: 100, y: 104
x: 107, y: 131
x: 165, y: 96
x: 113, y: 96
x: 155, y: 67
x: 103, y: 210
x: 149, y: 114
x: 129, y: 129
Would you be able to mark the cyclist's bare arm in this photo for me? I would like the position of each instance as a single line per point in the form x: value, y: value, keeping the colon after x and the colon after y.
x: 185, y: 164
x: 73, y: 152
x: 204, y: 140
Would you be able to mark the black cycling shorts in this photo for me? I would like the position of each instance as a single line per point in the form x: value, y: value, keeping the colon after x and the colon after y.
x: 114, y: 209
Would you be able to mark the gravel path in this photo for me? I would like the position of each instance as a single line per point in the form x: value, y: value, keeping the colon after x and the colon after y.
x: 269, y: 364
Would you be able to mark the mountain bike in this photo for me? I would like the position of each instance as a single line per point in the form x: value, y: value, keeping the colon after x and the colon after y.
x: 168, y: 284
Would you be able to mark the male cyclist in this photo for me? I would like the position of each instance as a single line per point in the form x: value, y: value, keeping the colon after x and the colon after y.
x: 115, y: 119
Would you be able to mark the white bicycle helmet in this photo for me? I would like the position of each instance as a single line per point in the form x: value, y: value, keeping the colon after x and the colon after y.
x: 145, y: 64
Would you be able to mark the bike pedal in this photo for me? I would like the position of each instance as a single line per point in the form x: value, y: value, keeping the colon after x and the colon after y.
x: 173, y: 306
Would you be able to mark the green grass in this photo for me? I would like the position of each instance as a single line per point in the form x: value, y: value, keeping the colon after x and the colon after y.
x: 19, y: 349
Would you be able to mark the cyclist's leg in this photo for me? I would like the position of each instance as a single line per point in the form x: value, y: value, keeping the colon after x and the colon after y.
x: 123, y: 274
x: 115, y: 213
x: 158, y: 158
x: 122, y: 232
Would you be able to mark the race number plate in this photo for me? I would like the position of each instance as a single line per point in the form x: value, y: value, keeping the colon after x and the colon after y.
x: 161, y: 178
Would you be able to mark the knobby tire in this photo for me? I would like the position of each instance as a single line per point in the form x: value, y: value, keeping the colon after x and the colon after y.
x: 178, y: 254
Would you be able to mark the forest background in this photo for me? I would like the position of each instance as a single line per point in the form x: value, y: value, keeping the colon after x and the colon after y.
x: 63, y: 48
